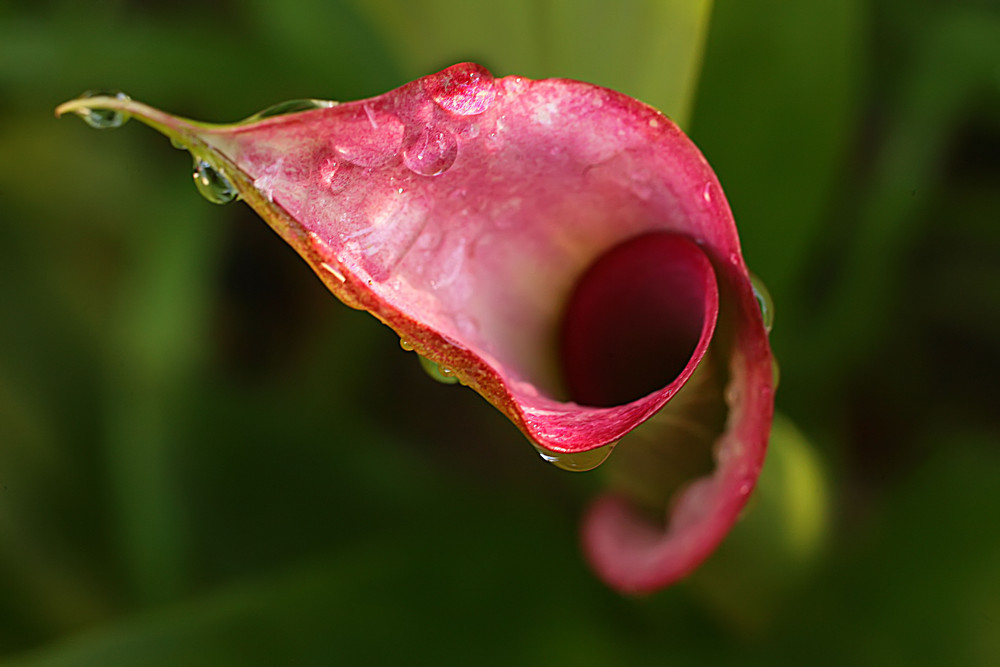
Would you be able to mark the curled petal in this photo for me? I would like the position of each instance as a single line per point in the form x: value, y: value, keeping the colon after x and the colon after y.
x: 561, y: 248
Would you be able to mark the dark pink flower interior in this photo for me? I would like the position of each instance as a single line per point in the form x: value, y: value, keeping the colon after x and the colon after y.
x: 635, y: 318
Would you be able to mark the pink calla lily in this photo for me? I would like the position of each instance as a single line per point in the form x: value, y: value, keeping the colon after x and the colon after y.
x: 563, y: 250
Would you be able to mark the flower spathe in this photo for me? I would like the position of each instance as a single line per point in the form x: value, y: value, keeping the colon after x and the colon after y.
x: 563, y: 249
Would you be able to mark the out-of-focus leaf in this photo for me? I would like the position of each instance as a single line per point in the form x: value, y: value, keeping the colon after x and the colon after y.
x: 648, y: 49
x: 434, y: 593
x: 925, y: 588
x: 776, y: 105
x: 328, y: 41
x: 953, y: 68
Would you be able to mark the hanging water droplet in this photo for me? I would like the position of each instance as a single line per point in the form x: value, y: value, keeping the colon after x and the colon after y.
x: 212, y: 183
x: 103, y: 119
x: 577, y: 461
x: 764, y: 301
x: 431, y: 153
x: 466, y: 89
x: 178, y: 144
x: 438, y: 372
x: 289, y: 107
x: 406, y: 345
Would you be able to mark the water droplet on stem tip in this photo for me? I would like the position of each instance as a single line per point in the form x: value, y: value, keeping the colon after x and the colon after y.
x: 103, y: 119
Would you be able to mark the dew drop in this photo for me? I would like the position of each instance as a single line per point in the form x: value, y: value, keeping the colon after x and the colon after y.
x: 369, y: 137
x: 470, y: 131
x: 336, y: 176
x: 104, y: 119
x: 577, y: 461
x: 289, y: 107
x: 438, y: 372
x: 431, y: 152
x: 406, y: 345
x: 212, y: 183
x: 178, y: 144
x: 514, y: 85
x: 466, y: 89
x: 764, y: 301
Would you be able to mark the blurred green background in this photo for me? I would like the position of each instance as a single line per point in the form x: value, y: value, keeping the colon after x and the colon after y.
x: 205, y: 459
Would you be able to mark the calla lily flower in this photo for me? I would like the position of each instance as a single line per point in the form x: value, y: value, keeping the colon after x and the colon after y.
x: 558, y: 247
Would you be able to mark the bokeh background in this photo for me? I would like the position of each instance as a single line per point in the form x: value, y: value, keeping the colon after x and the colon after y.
x: 205, y: 459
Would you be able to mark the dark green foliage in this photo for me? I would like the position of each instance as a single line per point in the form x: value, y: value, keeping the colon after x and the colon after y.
x: 205, y: 459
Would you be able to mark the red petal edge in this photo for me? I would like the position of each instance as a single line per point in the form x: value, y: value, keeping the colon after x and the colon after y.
x: 632, y: 553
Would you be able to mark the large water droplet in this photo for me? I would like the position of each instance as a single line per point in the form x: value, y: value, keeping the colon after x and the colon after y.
x: 466, y: 89
x: 104, y: 119
x: 764, y: 301
x: 438, y: 372
x: 431, y: 152
x: 291, y: 106
x: 577, y: 461
x: 212, y: 183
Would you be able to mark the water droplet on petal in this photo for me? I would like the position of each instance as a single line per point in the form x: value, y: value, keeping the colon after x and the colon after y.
x: 178, y: 144
x: 336, y: 176
x: 289, y: 107
x: 577, y: 461
x: 431, y: 152
x: 514, y: 85
x: 438, y: 372
x: 470, y: 131
x: 369, y: 137
x: 103, y: 119
x: 764, y: 301
x: 212, y: 183
x: 466, y: 89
